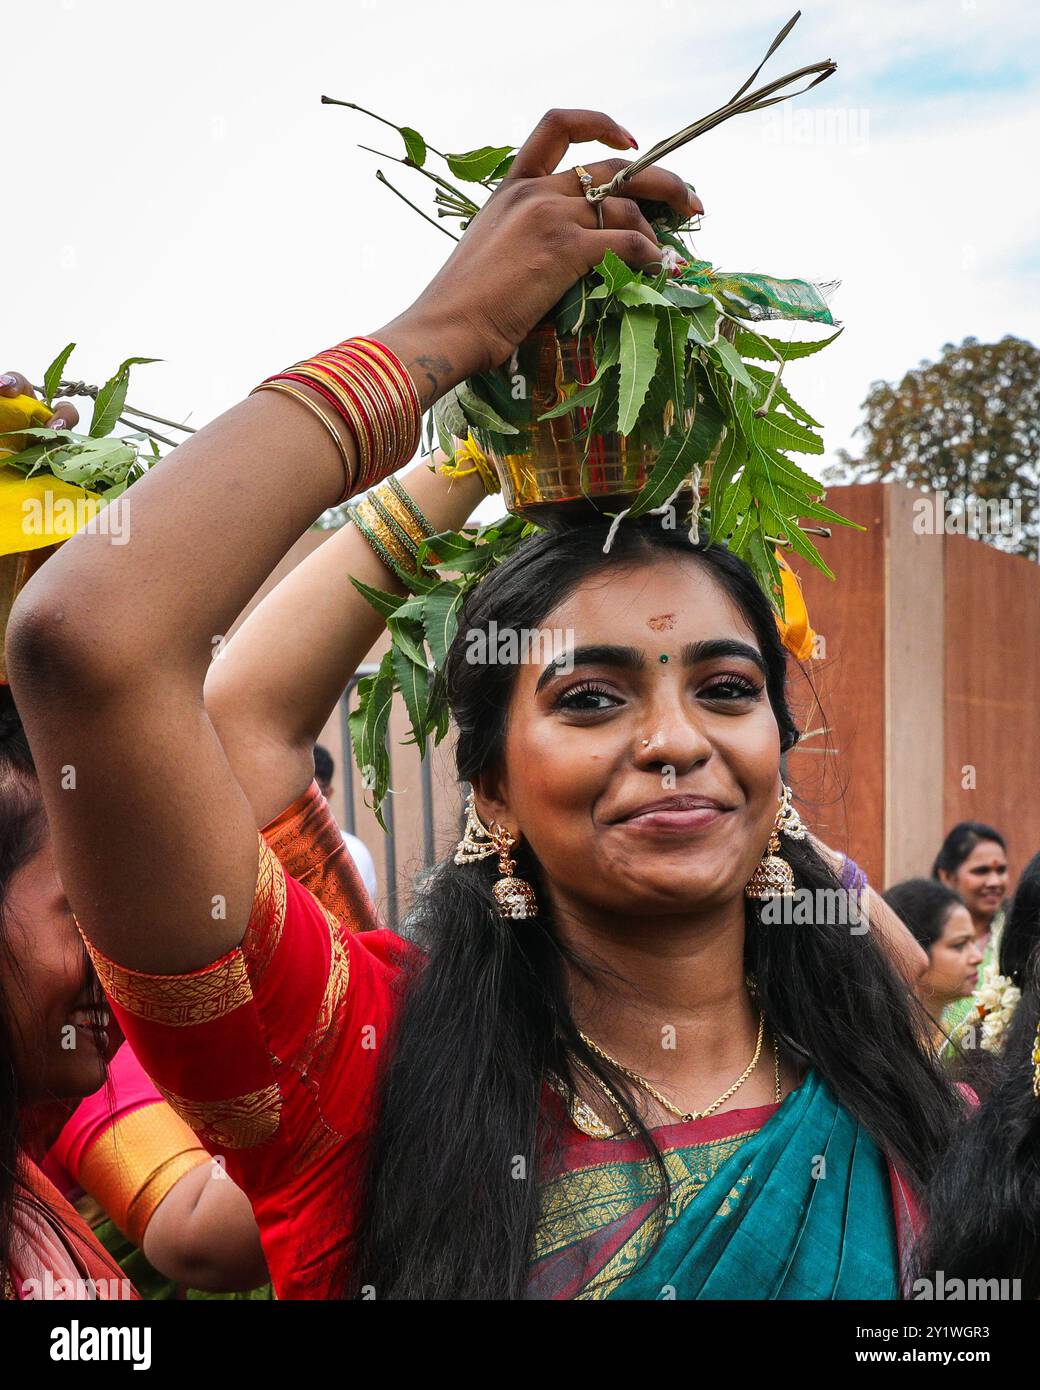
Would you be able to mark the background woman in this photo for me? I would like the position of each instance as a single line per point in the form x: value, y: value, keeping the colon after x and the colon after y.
x: 943, y: 926
x: 154, y: 1181
x: 282, y: 1036
x: 973, y: 862
x: 53, y: 1039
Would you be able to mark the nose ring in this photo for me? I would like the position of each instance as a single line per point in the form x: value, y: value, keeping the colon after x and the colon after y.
x: 646, y: 743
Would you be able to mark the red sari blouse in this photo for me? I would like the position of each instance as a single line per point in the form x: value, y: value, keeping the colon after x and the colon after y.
x: 270, y: 1053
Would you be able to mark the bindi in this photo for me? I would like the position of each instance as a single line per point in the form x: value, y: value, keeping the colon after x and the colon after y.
x: 664, y: 622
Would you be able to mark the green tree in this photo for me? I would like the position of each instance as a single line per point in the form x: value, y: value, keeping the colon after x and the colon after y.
x: 967, y: 425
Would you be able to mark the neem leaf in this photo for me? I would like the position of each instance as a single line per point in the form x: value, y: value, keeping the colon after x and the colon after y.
x: 683, y: 297
x: 479, y: 413
x: 703, y: 324
x: 368, y: 727
x: 108, y: 406
x: 440, y: 619
x: 449, y: 416
x: 638, y: 361
x: 385, y: 604
x: 730, y: 502
x: 804, y: 546
x: 675, y: 461
x: 634, y: 294
x: 779, y: 431
x: 615, y: 272
x: 52, y: 376
x: 415, y: 145
x: 446, y: 545
x: 496, y: 389
x: 407, y: 634
x: 673, y: 336
x: 413, y: 681
x: 727, y: 354
x: 750, y: 345
x: 569, y: 312
x: 476, y: 165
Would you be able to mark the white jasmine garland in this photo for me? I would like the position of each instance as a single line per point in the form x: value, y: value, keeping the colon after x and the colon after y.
x: 995, y: 1002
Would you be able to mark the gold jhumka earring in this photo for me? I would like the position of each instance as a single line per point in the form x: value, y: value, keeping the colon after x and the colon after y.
x: 514, y: 896
x: 773, y: 874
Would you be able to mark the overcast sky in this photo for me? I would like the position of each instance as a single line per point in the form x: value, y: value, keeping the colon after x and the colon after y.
x: 174, y: 189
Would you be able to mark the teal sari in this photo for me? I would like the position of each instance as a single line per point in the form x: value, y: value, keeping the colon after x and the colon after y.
x: 802, y: 1209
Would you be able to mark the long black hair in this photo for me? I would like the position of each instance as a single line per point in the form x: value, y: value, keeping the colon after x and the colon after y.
x: 984, y: 1199
x: 23, y: 830
x: 449, y: 1202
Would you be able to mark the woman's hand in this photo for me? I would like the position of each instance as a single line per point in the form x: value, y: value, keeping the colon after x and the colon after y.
x: 533, y: 239
x: 65, y: 417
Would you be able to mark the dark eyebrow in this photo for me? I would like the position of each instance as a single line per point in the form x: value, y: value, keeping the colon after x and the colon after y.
x: 632, y: 659
x: 604, y: 654
x: 696, y: 652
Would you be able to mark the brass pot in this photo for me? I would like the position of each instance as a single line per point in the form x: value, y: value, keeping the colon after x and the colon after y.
x: 553, y: 478
x: 15, y: 572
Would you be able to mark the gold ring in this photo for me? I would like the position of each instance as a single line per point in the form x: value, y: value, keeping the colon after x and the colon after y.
x: 585, y: 179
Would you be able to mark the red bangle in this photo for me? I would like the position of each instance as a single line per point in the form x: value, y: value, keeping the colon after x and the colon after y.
x: 373, y: 394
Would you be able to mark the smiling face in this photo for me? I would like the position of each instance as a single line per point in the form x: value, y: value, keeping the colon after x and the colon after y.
x: 644, y: 786
x: 981, y: 880
x: 953, y: 960
x: 59, y: 1041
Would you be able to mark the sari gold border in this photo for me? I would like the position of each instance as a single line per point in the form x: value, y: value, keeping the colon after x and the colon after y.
x: 240, y: 1122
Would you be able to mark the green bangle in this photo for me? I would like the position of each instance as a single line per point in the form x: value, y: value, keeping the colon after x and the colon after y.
x: 410, y: 503
x: 374, y: 542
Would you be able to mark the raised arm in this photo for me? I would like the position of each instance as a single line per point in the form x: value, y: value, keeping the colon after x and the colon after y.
x: 276, y: 683
x: 109, y: 646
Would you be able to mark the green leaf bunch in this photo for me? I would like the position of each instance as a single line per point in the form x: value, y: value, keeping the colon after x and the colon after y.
x: 98, y: 460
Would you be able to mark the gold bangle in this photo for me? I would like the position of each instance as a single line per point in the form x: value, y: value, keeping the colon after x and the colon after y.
x: 403, y: 509
x: 385, y: 506
x: 316, y: 410
x: 326, y: 385
x: 377, y: 533
x: 409, y: 502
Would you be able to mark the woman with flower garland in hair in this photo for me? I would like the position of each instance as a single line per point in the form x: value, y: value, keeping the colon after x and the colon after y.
x: 984, y: 1200
x: 599, y: 1074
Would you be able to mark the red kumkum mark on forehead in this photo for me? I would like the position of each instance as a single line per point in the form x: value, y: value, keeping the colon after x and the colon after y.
x: 664, y: 622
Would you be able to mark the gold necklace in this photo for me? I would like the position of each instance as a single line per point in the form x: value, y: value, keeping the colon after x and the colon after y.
x: 687, y: 1116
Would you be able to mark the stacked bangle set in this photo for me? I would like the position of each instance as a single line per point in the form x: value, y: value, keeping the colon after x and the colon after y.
x: 370, y: 390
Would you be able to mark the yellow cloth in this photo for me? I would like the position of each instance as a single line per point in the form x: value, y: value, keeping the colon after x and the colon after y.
x: 20, y: 413
x: 795, y: 632
x: 40, y: 511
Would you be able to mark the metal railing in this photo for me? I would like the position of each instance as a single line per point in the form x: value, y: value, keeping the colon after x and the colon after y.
x: 392, y: 913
